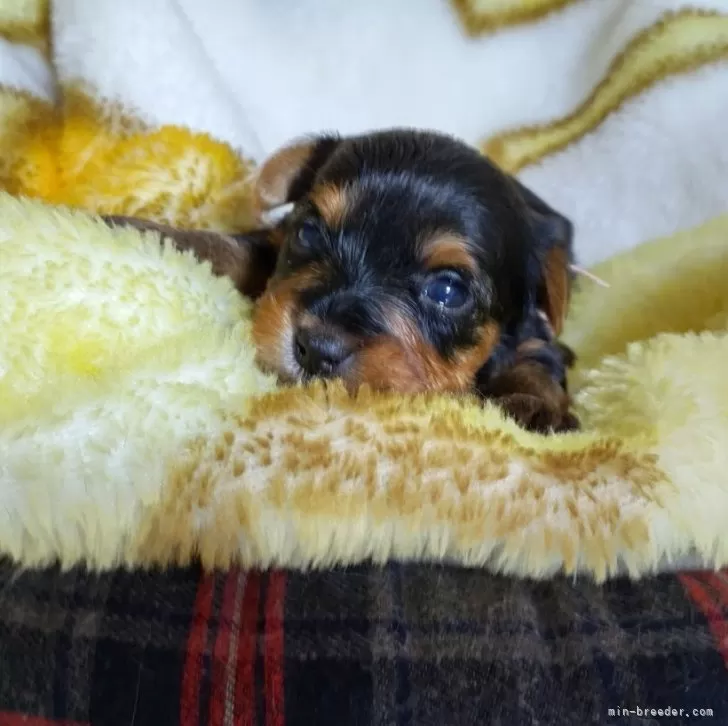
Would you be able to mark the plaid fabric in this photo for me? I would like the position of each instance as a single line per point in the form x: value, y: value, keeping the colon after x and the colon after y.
x: 399, y: 645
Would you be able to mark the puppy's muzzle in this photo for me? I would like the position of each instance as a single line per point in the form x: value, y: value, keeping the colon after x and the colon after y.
x: 321, y: 351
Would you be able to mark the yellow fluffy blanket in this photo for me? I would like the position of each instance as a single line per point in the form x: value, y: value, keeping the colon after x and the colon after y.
x: 134, y: 427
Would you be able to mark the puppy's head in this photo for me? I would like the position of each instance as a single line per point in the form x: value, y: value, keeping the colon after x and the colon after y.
x: 404, y: 259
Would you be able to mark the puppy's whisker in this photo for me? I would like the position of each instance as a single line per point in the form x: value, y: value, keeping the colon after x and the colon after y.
x: 590, y: 275
x: 273, y: 216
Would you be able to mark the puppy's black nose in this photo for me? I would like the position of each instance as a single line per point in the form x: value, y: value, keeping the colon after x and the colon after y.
x: 320, y: 353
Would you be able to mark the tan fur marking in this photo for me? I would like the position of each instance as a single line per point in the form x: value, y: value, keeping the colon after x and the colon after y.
x: 406, y: 363
x: 275, y: 317
x: 449, y: 251
x: 308, y: 320
x: 556, y: 278
x: 332, y: 202
x: 272, y: 328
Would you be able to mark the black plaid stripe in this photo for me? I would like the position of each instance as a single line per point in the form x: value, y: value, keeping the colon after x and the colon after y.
x: 397, y: 645
x: 93, y: 648
x: 437, y: 645
x: 140, y: 648
x: 48, y: 630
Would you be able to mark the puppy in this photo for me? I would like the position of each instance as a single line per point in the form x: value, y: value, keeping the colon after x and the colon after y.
x: 408, y: 262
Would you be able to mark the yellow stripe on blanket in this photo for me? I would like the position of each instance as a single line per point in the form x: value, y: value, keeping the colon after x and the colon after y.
x: 25, y: 21
x: 484, y: 16
x: 678, y: 43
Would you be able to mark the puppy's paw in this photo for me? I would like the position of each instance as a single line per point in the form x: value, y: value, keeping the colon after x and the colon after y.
x: 538, y: 414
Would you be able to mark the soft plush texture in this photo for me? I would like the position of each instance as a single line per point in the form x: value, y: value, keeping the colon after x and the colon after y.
x: 135, y: 429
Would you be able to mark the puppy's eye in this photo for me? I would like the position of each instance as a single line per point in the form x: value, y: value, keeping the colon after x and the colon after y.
x: 308, y: 234
x: 446, y: 290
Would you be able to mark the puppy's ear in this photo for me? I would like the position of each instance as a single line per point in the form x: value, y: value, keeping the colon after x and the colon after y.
x: 554, y: 235
x: 290, y: 172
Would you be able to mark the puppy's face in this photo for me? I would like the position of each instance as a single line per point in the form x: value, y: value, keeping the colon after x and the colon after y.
x: 406, y: 257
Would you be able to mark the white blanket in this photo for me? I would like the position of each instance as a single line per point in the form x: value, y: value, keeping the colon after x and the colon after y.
x: 256, y: 73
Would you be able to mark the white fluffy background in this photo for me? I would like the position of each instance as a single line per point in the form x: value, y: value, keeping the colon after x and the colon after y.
x: 259, y: 73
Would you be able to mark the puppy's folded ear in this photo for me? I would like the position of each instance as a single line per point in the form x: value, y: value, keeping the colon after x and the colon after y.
x: 553, y: 234
x: 289, y: 174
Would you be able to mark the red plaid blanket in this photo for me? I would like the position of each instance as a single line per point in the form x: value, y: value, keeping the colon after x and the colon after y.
x: 399, y: 645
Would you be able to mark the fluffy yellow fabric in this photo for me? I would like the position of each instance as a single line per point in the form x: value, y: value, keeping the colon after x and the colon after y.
x: 135, y: 428
x: 114, y: 352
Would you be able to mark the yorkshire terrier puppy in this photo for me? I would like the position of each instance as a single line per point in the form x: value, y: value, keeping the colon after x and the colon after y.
x: 408, y: 262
